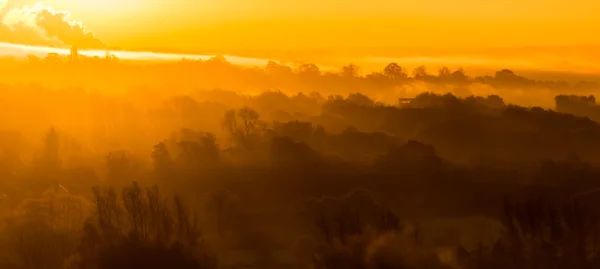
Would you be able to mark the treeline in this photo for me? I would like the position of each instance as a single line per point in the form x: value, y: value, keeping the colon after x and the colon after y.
x: 303, y: 180
x: 110, y: 74
x: 377, y: 174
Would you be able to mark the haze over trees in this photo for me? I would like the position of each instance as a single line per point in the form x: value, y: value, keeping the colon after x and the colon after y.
x: 106, y: 163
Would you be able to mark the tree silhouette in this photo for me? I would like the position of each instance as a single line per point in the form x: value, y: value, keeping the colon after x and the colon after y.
x: 50, y: 163
x: 444, y: 72
x: 244, y: 126
x: 143, y: 229
x: 394, y: 71
x: 350, y: 70
x: 309, y: 69
x: 420, y: 72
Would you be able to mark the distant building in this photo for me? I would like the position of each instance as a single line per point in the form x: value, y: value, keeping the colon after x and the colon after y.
x: 405, y: 101
x: 74, y: 53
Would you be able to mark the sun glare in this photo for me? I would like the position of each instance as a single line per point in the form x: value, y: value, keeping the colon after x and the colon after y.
x: 113, y: 4
x: 92, y: 8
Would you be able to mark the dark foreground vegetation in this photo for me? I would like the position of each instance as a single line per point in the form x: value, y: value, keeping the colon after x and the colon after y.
x: 218, y: 179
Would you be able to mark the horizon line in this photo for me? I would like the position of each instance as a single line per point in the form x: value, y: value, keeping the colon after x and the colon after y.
x: 22, y: 50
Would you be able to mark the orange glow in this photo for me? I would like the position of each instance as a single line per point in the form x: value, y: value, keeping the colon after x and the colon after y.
x: 323, y: 134
x: 512, y: 33
x: 290, y: 30
x: 206, y: 24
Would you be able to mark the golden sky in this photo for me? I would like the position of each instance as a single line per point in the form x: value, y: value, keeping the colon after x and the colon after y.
x: 302, y: 24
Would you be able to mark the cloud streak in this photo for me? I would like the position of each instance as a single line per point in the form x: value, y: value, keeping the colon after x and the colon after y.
x: 42, y: 25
